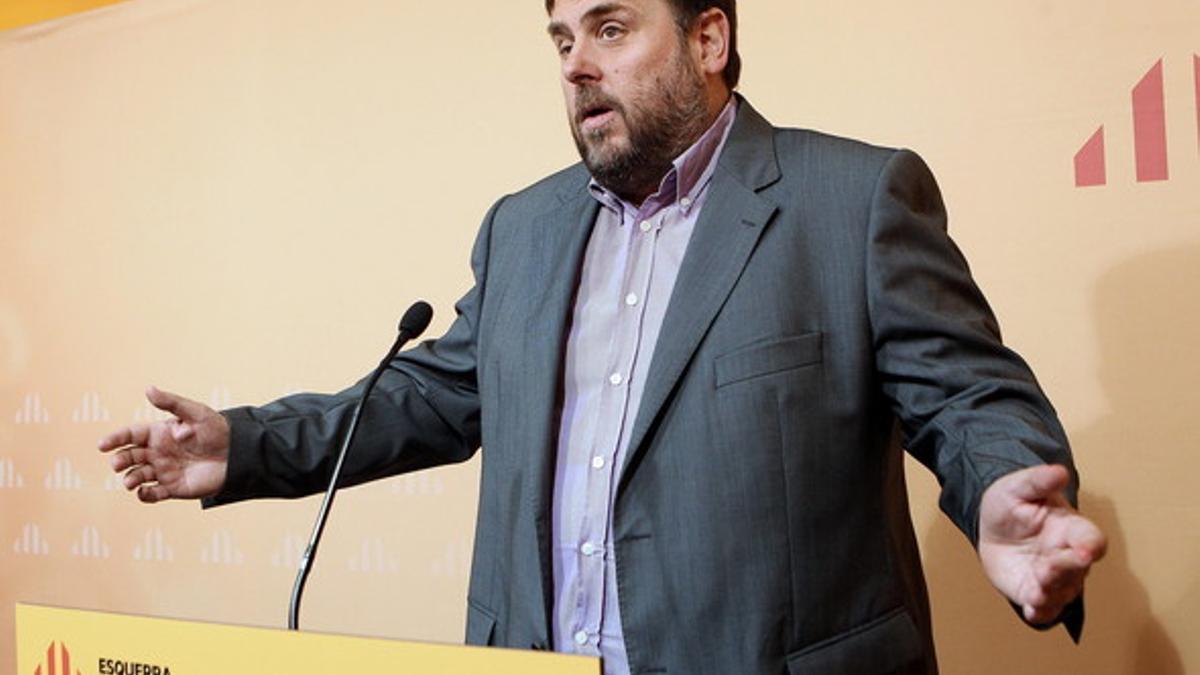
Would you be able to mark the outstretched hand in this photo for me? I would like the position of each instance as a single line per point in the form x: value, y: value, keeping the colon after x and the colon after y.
x: 181, y: 458
x: 1034, y: 547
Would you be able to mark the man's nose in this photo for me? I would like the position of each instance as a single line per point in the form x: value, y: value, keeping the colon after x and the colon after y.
x: 579, y: 65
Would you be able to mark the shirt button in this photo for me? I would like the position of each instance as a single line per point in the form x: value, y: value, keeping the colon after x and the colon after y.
x: 588, y: 548
x: 631, y: 299
x: 616, y: 379
x: 581, y: 638
x: 597, y: 462
x: 685, y: 202
x: 646, y: 226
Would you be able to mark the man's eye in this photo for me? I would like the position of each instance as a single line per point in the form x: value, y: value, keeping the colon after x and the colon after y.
x: 564, y: 48
x: 611, y: 31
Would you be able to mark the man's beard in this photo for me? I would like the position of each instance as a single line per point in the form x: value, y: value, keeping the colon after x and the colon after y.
x: 662, y: 121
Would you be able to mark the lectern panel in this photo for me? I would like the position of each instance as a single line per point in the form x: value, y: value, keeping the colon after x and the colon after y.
x: 57, y: 641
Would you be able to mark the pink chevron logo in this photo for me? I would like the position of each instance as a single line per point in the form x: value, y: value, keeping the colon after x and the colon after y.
x: 1148, y: 101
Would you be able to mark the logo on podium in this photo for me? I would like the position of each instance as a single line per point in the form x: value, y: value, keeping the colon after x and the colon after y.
x: 56, y: 663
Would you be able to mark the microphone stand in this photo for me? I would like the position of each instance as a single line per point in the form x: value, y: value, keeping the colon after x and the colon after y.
x: 414, y: 322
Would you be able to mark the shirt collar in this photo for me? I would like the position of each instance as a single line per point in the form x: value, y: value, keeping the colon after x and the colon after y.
x: 690, y: 172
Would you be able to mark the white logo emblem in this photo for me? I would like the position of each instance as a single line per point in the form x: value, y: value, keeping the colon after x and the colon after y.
x: 30, y: 542
x: 420, y: 483
x: 289, y: 552
x: 9, y: 478
x: 63, y: 477
x: 32, y: 411
x: 90, y: 409
x: 153, y: 547
x: 219, y: 399
x: 221, y: 550
x: 455, y: 560
x: 90, y: 545
x: 373, y: 558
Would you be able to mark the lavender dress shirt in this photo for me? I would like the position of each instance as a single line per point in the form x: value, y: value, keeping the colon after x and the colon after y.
x: 629, y: 271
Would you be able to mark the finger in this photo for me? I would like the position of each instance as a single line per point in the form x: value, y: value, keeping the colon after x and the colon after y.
x: 142, y: 473
x: 1038, y: 483
x: 1048, y: 607
x: 116, y: 439
x: 134, y: 435
x: 1063, y: 596
x: 1061, y: 586
x: 184, y: 408
x: 1043, y: 614
x: 1058, y: 568
x: 126, y: 458
x: 151, y: 494
x: 1057, y: 582
x: 1086, y: 539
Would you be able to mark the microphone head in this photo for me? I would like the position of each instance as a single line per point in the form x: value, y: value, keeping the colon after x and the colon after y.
x: 416, y: 319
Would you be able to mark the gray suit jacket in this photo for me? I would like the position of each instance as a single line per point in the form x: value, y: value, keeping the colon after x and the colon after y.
x: 821, y: 320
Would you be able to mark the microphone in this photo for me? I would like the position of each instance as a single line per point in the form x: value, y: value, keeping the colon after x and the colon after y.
x: 415, y: 320
x: 413, y: 323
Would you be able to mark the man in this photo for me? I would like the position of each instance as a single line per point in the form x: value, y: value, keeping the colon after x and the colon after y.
x: 691, y: 461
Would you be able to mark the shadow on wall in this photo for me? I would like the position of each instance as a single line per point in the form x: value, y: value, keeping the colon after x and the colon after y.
x: 1148, y: 330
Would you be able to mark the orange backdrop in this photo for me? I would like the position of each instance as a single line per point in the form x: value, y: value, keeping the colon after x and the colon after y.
x: 196, y: 193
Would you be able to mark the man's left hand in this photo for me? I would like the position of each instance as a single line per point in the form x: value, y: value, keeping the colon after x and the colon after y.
x: 1034, y: 547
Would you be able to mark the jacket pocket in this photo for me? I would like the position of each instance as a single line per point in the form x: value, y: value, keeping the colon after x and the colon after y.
x: 765, y: 358
x: 481, y: 625
x: 883, y: 645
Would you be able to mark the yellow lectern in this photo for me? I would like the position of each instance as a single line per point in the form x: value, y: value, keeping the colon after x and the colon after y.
x: 54, y: 641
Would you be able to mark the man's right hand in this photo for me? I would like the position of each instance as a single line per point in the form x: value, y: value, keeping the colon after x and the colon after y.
x: 182, y: 458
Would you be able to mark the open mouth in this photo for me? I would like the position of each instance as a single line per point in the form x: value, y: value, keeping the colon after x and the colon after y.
x: 596, y: 116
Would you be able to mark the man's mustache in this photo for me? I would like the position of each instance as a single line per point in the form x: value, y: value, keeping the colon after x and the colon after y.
x: 589, y: 99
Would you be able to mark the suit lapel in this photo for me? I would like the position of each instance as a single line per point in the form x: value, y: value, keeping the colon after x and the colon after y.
x: 557, y: 256
x: 734, y: 218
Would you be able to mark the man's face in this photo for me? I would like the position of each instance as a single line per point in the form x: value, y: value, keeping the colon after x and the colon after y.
x: 635, y: 95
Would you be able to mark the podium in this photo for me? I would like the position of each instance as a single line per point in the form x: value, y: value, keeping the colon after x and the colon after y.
x: 57, y: 641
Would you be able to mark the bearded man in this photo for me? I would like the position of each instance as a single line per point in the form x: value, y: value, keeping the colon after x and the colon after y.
x: 692, y: 361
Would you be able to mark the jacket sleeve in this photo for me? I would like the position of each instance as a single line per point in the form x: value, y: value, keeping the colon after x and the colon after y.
x: 423, y: 412
x: 970, y: 409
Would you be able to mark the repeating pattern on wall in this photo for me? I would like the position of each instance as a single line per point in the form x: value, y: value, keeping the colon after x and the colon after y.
x: 230, y: 199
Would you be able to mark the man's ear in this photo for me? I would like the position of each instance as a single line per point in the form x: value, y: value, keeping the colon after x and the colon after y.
x: 711, y: 32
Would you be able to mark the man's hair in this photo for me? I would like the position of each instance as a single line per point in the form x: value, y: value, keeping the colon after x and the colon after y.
x: 686, y: 12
